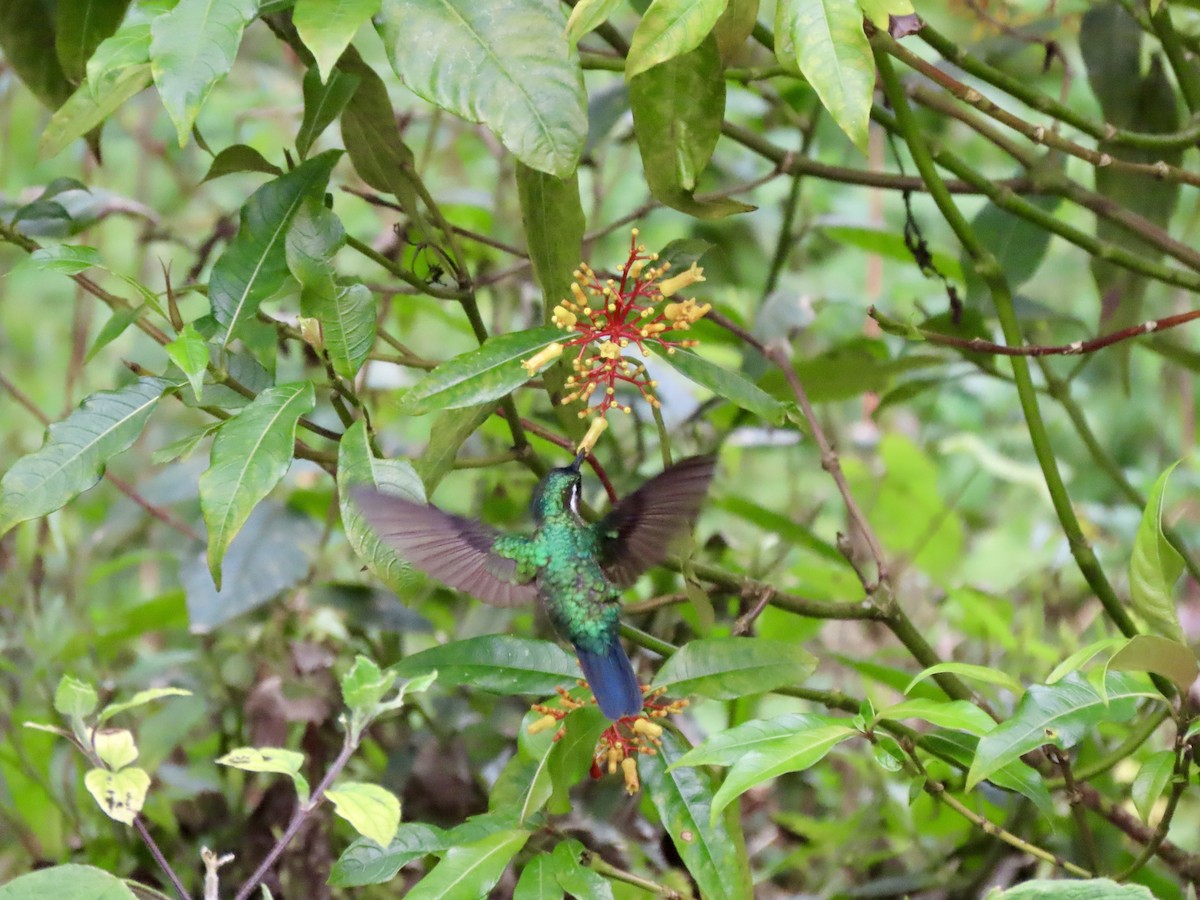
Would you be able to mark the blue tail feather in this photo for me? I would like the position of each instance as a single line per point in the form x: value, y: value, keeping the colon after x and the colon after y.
x: 611, y: 677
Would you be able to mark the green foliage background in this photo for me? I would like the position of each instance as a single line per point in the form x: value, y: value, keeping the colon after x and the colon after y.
x: 951, y: 698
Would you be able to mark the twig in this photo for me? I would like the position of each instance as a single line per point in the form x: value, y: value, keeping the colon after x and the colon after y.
x: 1075, y: 348
x: 594, y: 861
x: 1060, y: 759
x: 149, y: 841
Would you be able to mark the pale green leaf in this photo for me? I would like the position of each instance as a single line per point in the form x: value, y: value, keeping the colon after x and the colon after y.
x: 1080, y: 658
x: 192, y: 48
x: 470, y: 870
x: 189, y: 351
x: 725, y: 668
x: 73, y: 697
x: 973, y: 672
x: 115, y: 747
x: 141, y: 698
x: 958, y: 714
x: 119, y: 794
x: 1150, y: 782
x: 506, y: 63
x: 1157, y: 655
x: 1155, y: 566
x: 373, y: 811
x: 832, y: 52
x: 74, y: 881
x: 587, y: 16
x: 328, y: 26
x: 670, y: 28
x: 500, y: 663
x: 274, y: 760
x: 1072, y: 889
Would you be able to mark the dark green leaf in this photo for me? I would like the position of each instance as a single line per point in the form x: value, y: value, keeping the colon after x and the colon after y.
x: 725, y: 668
x: 499, y: 663
x: 1018, y: 245
x: 726, y: 383
x: 506, y: 63
x: 254, y: 264
x: 571, y: 758
x: 240, y: 158
x: 192, y: 48
x: 1058, y: 714
x: 677, y: 108
x: 1016, y: 776
x: 538, y: 881
x: 250, y: 455
x: 670, y: 28
x: 486, y: 373
x: 578, y: 880
x: 76, y: 450
x: 113, y: 328
x: 80, y: 26
x: 323, y: 103
x: 27, y: 39
x: 710, y: 845
x: 365, y: 862
x: 1155, y: 566
x: 554, y: 222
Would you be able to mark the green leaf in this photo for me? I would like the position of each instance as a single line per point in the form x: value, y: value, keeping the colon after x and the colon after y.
x: 729, y: 747
x: 735, y: 25
x: 275, y: 760
x: 27, y: 41
x: 678, y: 108
x: 184, y: 447
x: 957, y: 714
x: 710, y: 845
x: 578, y: 880
x: 725, y: 383
x: 114, y: 746
x: 554, y: 223
x: 373, y: 140
x: 762, y: 758
x: 251, y: 453
x: 373, y: 811
x: 1155, y: 566
x: 726, y: 668
x: 254, y: 265
x: 486, y: 373
x: 1150, y: 782
x: 357, y: 465
x: 587, y: 16
x: 192, y: 47
x: 328, y: 26
x: 119, y: 794
x: 1080, y: 657
x: 240, y: 158
x: 971, y: 671
x: 499, y: 663
x: 113, y: 328
x: 523, y: 786
x: 1057, y: 714
x: 69, y: 259
x: 1061, y: 889
x: 365, y: 684
x: 471, y: 870
x: 571, y: 757
x: 76, y: 450
x: 832, y: 51
x: 79, y: 28
x: 506, y: 64
x: 365, y: 862
x: 1018, y: 245
x: 1159, y: 655
x: 73, y: 697
x: 670, y: 28
x: 538, y: 879
x: 141, y: 698
x: 451, y: 427
x: 889, y: 244
x: 100, y: 96
x: 323, y: 102
x: 1016, y: 776
x: 189, y: 351
x: 74, y: 881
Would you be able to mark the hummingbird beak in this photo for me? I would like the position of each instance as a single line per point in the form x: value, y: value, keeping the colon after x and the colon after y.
x: 582, y: 455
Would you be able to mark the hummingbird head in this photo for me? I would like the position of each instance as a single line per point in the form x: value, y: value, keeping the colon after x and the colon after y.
x: 558, y: 492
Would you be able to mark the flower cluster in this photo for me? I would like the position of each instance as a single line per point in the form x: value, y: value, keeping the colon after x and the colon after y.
x: 609, y: 316
x: 620, y: 742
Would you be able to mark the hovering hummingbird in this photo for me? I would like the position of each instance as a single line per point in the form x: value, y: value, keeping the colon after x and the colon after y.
x: 577, y: 569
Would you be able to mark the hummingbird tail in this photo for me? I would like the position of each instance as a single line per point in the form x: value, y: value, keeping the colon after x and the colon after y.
x: 611, y: 677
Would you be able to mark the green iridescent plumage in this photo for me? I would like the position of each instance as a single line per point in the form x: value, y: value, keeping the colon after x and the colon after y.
x: 578, y: 570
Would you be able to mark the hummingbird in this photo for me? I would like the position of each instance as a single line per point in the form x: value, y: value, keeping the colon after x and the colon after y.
x: 577, y: 570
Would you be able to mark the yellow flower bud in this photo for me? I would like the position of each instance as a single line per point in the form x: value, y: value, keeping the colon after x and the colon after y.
x: 648, y: 728
x: 629, y: 770
x: 543, y: 356
x: 593, y: 435
x: 609, y: 350
x: 578, y: 294
x: 682, y: 280
x: 545, y: 723
x: 563, y: 318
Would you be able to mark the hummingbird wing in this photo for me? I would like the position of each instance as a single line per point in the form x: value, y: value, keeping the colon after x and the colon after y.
x: 458, y: 552
x: 638, y: 532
